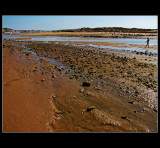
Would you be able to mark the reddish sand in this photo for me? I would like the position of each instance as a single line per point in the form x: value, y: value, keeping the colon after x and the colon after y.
x: 26, y: 108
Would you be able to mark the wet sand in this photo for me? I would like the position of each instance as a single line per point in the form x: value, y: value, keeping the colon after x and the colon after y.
x: 40, y: 96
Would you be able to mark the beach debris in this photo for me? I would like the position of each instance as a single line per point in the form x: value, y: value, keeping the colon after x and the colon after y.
x: 86, y: 83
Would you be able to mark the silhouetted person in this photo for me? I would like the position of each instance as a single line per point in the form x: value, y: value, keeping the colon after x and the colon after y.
x: 147, y: 43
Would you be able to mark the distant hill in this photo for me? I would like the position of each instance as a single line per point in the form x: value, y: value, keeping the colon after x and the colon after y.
x: 110, y: 29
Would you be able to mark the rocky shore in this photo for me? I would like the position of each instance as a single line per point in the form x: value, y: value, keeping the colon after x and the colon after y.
x: 52, y: 87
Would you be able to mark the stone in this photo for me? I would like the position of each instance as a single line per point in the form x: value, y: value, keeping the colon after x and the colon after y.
x: 131, y: 102
x: 97, y: 88
x: 91, y: 108
x: 123, y: 117
x: 42, y: 80
x: 53, y: 76
x: 82, y: 90
x: 86, y: 83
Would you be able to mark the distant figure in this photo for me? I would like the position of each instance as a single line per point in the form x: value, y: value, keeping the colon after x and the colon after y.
x: 147, y: 43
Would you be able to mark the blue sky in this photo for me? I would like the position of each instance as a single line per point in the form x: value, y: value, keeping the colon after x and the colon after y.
x: 77, y: 21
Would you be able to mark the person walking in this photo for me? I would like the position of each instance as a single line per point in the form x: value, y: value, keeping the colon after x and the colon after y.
x: 147, y: 43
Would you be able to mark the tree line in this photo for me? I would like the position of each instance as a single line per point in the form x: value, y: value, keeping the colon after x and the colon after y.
x: 109, y: 29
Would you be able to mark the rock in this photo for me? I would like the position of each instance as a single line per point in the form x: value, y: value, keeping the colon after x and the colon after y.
x: 135, y: 111
x: 27, y: 54
x: 123, y: 117
x: 53, y: 76
x: 86, y: 83
x: 97, y: 88
x: 131, y: 102
x: 88, y: 93
x: 91, y: 108
x: 155, y: 109
x: 42, y: 80
x: 71, y: 77
x: 60, y: 113
x: 82, y: 90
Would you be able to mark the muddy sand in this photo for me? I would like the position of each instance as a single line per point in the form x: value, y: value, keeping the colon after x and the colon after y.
x: 83, y: 89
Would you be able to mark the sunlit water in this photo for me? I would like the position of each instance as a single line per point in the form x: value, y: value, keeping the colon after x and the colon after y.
x: 91, y: 39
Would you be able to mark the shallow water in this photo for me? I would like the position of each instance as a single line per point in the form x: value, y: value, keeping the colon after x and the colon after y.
x: 121, y: 48
x: 51, y: 60
x: 87, y: 39
x: 91, y: 39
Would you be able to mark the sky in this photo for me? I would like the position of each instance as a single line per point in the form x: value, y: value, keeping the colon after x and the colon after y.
x: 57, y: 22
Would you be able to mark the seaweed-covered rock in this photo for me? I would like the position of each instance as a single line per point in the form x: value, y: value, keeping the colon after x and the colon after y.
x: 91, y: 108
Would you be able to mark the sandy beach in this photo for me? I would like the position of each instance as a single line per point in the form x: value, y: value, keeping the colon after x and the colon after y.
x: 84, y: 89
x: 95, y: 34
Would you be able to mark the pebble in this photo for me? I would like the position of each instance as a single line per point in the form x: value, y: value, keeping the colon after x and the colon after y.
x: 131, y: 102
x: 82, y: 90
x: 53, y: 76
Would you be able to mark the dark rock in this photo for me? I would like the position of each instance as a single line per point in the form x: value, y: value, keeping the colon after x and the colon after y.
x: 42, y: 80
x: 131, y: 102
x: 27, y: 54
x: 123, y: 117
x: 91, y: 108
x: 155, y: 109
x: 86, y: 83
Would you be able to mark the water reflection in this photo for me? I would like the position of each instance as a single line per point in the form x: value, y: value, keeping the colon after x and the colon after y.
x: 91, y: 39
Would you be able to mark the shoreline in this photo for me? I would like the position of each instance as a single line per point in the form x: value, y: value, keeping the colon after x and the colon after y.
x: 63, y: 104
x: 107, y: 44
